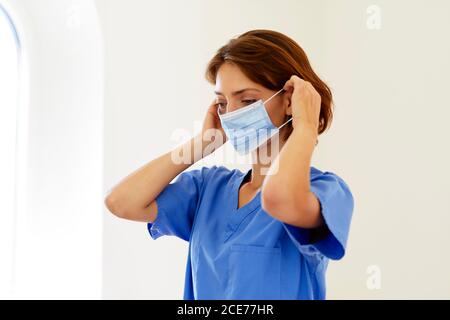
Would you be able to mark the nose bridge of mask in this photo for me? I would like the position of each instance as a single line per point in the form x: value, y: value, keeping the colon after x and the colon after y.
x: 239, y: 118
x: 240, y: 111
x: 249, y: 107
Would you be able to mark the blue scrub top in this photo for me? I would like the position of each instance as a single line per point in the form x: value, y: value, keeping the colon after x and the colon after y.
x: 245, y: 253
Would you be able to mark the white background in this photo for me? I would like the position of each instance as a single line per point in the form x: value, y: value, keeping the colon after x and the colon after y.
x: 389, y: 138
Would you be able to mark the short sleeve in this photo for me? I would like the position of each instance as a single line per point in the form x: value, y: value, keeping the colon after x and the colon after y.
x: 177, y: 205
x: 336, y: 203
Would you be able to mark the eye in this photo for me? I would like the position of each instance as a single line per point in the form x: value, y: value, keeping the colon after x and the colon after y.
x: 248, y: 101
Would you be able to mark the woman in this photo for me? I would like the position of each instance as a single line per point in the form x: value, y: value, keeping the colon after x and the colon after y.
x: 267, y: 233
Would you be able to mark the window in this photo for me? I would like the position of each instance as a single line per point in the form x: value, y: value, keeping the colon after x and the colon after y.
x: 9, y: 78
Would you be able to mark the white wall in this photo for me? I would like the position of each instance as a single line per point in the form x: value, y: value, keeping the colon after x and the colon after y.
x: 388, y: 141
x: 59, y: 188
x: 155, y: 60
x: 391, y: 142
x: 9, y: 75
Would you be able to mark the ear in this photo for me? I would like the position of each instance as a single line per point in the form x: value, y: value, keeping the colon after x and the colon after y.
x: 287, y: 96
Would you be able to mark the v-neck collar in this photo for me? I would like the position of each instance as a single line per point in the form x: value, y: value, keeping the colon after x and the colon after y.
x: 237, y: 215
x: 236, y: 188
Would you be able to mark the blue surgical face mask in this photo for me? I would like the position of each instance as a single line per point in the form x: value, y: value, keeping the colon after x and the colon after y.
x: 249, y: 127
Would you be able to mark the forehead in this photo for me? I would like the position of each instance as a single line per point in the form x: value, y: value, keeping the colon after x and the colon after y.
x: 230, y: 78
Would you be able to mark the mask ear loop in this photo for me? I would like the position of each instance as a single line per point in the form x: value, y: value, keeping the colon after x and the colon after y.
x: 290, y: 119
x: 271, y: 98
x: 263, y: 102
x: 273, y: 95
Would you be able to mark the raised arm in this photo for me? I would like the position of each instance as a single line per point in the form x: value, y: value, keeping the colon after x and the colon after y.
x: 133, y: 198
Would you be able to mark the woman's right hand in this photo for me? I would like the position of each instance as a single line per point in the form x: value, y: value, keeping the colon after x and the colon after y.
x: 134, y: 196
x: 213, y: 135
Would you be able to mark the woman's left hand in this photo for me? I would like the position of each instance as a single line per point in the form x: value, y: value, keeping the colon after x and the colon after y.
x: 305, y: 103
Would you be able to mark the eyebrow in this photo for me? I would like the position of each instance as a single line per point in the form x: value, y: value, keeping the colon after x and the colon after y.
x: 238, y: 92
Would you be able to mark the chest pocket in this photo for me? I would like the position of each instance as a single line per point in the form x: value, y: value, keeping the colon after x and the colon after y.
x: 254, y: 272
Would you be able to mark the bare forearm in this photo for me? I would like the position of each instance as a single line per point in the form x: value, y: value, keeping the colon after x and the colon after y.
x: 294, y: 161
x: 286, y: 192
x: 140, y: 188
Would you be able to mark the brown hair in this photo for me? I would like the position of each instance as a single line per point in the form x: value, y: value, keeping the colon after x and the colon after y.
x: 270, y: 58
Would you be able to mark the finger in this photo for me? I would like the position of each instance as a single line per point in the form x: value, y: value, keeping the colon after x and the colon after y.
x: 293, y: 80
x: 310, y: 86
x: 213, y: 103
x: 292, y: 85
x: 305, y: 87
x: 296, y: 78
x: 213, y: 108
x: 288, y: 85
x: 300, y: 89
x: 313, y: 91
